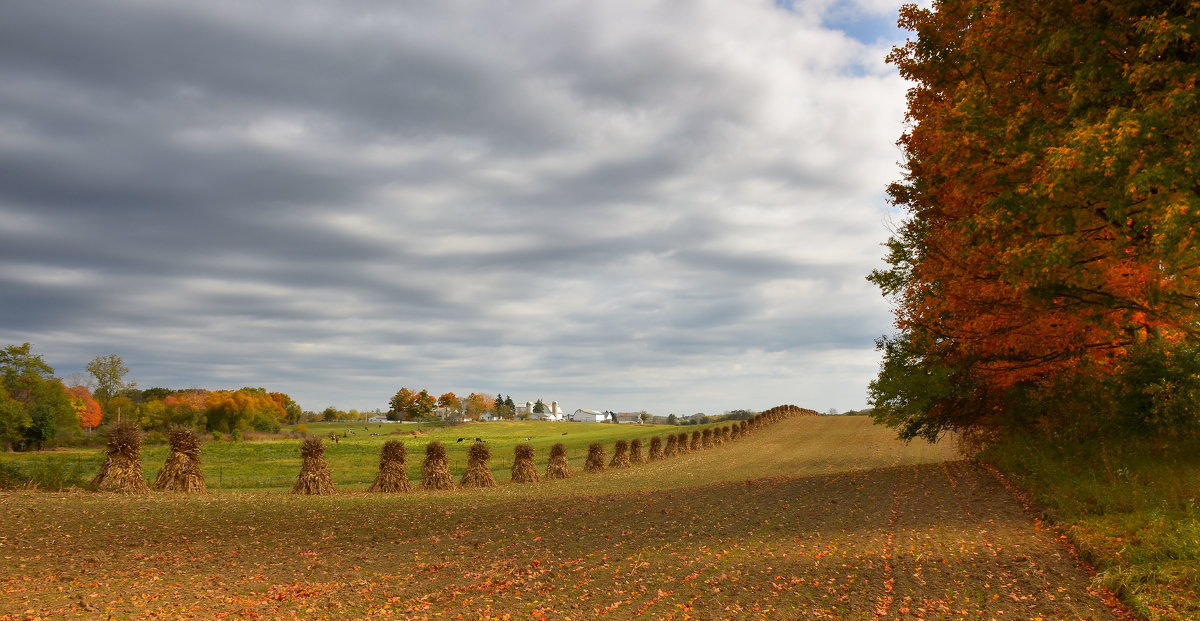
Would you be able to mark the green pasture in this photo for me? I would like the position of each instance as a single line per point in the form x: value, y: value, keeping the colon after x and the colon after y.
x: 352, y: 452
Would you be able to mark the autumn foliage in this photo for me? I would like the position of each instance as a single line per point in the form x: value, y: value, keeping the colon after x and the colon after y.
x: 1050, y: 248
x: 87, y: 408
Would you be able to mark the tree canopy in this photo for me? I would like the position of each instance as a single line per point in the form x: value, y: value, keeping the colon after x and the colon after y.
x: 1052, y: 196
x: 35, y: 407
x: 110, y: 372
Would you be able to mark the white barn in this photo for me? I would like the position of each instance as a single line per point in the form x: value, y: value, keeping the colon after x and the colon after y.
x: 553, y: 411
x: 589, y: 416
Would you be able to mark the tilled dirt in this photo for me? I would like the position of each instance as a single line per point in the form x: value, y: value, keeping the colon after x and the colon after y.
x: 931, y: 541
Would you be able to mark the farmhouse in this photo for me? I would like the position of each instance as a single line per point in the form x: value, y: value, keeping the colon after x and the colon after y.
x: 629, y: 418
x: 445, y: 413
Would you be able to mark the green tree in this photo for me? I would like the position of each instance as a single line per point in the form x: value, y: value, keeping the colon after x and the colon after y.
x: 110, y: 372
x: 504, y: 409
x: 14, y: 419
x: 35, y: 407
x: 672, y: 419
x: 50, y: 413
x: 539, y: 407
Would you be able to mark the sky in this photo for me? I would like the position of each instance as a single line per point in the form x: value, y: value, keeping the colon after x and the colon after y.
x: 623, y: 205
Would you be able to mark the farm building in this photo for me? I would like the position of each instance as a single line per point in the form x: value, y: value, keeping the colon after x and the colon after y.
x: 553, y: 411
x: 589, y: 416
x: 446, y: 413
x: 629, y: 418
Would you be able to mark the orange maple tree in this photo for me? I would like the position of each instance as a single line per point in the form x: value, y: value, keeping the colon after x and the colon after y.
x: 1052, y: 202
x: 87, y: 408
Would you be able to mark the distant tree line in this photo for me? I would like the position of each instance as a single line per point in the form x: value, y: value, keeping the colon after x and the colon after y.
x: 39, y: 410
x: 411, y: 405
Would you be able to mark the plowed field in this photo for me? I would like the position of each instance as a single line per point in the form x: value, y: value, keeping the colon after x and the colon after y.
x: 808, y: 518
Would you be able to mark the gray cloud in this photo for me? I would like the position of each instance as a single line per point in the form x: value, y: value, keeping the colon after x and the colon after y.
x: 621, y: 205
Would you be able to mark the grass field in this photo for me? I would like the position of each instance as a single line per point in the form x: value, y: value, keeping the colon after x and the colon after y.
x: 810, y: 518
x: 1130, y: 505
x: 273, y: 465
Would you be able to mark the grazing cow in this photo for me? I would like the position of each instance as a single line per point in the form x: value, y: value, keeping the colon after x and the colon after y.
x: 460, y: 440
x: 480, y: 440
x: 564, y: 433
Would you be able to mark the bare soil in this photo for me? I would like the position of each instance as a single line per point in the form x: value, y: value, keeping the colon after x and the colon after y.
x: 825, y: 537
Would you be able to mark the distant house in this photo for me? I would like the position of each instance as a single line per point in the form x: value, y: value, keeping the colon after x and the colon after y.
x: 445, y: 413
x: 378, y: 419
x: 629, y: 418
x: 589, y: 416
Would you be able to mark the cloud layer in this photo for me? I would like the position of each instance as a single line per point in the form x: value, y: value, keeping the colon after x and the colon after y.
x: 621, y: 205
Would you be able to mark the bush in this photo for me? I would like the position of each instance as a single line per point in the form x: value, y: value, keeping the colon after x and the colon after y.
x: 265, y: 424
x: 218, y: 436
x: 301, y: 429
x: 155, y: 437
x: 237, y: 435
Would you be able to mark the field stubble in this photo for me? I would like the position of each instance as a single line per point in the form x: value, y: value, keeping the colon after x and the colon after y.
x: 809, y: 518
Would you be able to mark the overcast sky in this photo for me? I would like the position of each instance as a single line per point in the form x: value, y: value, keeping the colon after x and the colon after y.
x: 618, y: 205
